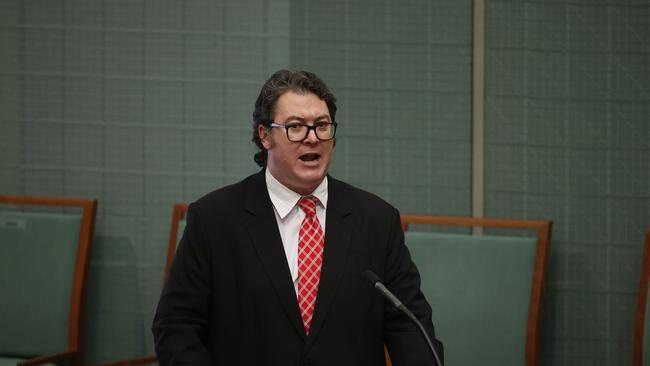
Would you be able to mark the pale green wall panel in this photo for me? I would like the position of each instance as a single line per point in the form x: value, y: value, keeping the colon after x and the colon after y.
x: 402, y: 74
x: 83, y: 99
x: 567, y: 91
x: 42, y: 97
x: 161, y: 103
x: 142, y: 104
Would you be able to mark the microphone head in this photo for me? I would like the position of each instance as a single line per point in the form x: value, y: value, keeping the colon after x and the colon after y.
x: 371, y: 277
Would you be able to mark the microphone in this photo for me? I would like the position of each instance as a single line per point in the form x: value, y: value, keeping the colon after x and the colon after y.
x: 376, y: 283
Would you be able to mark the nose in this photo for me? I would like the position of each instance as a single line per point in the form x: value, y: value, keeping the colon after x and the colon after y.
x: 311, y: 137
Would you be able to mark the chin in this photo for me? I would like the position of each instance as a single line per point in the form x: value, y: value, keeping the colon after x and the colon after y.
x: 313, y: 174
x: 310, y: 179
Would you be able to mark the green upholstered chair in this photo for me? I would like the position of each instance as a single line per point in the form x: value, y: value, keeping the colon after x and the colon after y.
x: 642, y: 326
x: 485, y: 290
x: 43, y: 266
x: 177, y: 227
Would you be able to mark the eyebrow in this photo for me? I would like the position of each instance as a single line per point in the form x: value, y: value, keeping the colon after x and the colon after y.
x: 319, y: 118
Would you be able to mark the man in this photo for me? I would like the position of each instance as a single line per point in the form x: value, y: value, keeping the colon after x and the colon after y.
x: 269, y: 270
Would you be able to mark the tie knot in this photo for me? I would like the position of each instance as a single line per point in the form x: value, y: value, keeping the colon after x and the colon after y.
x: 308, y: 204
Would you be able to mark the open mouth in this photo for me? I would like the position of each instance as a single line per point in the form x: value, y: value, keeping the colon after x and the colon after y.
x: 310, y: 157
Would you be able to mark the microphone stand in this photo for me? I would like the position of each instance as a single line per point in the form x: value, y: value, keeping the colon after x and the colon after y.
x: 376, y: 283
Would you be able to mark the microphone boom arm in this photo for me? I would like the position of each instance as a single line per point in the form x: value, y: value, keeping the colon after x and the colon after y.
x: 376, y: 283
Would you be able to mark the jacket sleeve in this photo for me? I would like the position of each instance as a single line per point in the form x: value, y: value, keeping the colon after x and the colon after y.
x: 404, y: 341
x: 180, y: 326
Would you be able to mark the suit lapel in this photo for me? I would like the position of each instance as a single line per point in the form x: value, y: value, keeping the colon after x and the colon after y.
x: 335, y: 254
x: 264, y: 234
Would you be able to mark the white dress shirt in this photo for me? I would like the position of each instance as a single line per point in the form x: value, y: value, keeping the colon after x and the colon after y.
x: 289, y: 217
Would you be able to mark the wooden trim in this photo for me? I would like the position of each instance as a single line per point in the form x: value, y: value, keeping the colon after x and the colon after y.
x: 408, y: 220
x: 642, y: 302
x: 89, y: 211
x: 51, y: 358
x: 537, y: 294
x: 543, y: 229
x: 46, y: 201
x: 178, y: 214
x: 388, y: 361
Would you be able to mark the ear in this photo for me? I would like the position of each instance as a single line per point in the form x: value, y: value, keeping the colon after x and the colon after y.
x: 265, y: 136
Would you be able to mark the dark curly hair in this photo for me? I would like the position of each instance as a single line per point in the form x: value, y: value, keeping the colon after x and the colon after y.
x: 279, y: 83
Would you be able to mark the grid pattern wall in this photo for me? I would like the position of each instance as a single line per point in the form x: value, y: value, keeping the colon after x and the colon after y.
x: 568, y: 139
x: 402, y: 74
x: 145, y: 103
x: 140, y: 104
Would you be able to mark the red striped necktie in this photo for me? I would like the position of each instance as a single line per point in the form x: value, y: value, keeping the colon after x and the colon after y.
x: 310, y: 259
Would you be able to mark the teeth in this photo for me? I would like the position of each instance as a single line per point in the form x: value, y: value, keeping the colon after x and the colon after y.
x: 309, y: 157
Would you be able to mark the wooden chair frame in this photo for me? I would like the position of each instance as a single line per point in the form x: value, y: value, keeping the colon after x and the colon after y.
x: 178, y: 214
x: 543, y: 229
x: 642, y: 302
x: 75, y: 353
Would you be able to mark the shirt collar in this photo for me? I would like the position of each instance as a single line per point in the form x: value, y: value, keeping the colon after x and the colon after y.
x: 284, y: 199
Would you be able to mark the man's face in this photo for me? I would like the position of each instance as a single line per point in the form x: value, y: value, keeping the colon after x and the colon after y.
x: 300, y: 166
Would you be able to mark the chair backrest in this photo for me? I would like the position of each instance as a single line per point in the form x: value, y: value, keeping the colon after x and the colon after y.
x: 43, y: 268
x: 485, y: 290
x: 642, y: 326
x: 175, y: 233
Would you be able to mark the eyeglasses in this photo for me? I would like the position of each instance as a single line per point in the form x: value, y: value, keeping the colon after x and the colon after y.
x: 298, y: 132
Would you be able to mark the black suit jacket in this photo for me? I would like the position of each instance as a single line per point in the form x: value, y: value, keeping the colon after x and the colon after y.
x: 229, y: 299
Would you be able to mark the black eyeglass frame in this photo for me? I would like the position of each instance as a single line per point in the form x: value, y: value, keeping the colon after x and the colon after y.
x: 309, y: 129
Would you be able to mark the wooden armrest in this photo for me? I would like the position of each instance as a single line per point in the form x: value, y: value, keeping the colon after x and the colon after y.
x: 133, y: 361
x: 54, y: 357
